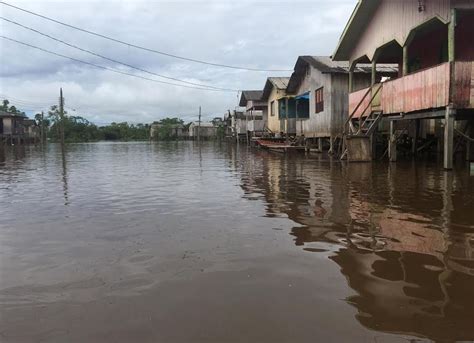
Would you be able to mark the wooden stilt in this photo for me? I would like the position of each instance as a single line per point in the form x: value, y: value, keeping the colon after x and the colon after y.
x: 331, y: 145
x: 468, y: 142
x: 448, y: 138
x: 320, y: 144
x: 392, y: 144
x: 414, y: 147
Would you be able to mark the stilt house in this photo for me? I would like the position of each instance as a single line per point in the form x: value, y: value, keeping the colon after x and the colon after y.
x: 256, y: 113
x: 432, y: 41
x: 319, y: 89
x: 274, y: 94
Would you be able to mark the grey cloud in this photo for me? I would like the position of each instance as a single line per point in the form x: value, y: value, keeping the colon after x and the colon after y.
x: 263, y: 34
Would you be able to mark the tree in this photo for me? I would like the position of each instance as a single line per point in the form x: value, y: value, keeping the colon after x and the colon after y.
x: 166, y: 127
x: 5, y: 104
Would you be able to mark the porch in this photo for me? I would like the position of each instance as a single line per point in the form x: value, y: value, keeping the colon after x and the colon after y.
x: 447, y: 84
x: 436, y: 80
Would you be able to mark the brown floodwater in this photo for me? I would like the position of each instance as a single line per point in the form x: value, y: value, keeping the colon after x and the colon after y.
x: 175, y: 242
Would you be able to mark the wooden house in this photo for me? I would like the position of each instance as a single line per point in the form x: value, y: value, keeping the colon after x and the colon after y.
x: 274, y: 93
x: 31, y: 130
x: 176, y: 131
x: 256, y: 112
x: 202, y: 130
x: 431, y: 41
x: 11, y: 127
x: 319, y: 88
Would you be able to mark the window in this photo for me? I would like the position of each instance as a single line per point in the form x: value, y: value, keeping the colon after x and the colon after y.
x: 319, y: 97
x: 272, y: 108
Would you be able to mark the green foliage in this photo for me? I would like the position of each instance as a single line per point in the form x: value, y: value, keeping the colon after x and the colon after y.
x: 166, y: 130
x: 11, y: 109
x: 41, y: 121
x: 125, y: 132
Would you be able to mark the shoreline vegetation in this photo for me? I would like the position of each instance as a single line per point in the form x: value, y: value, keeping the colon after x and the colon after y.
x: 78, y: 129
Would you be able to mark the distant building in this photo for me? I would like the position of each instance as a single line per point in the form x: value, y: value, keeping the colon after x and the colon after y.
x: 16, y: 128
x: 178, y: 131
x: 204, y: 130
x: 31, y: 130
x: 274, y: 94
x: 256, y: 112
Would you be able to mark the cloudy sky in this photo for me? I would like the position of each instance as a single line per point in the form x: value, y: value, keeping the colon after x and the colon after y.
x: 265, y: 34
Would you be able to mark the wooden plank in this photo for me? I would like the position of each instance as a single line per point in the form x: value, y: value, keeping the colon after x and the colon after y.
x: 422, y: 90
x: 471, y: 102
x: 355, y: 98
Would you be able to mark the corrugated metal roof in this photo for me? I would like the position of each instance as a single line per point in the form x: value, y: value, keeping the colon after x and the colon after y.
x: 203, y: 124
x: 274, y: 82
x: 279, y: 82
x: 8, y: 114
x: 250, y: 96
x: 326, y: 65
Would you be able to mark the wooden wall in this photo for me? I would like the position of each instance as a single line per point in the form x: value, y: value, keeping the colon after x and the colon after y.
x: 463, y: 96
x: 273, y: 122
x: 422, y: 90
x: 318, y: 124
x: 393, y: 20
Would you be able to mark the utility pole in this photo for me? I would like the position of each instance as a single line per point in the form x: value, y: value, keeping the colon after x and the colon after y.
x: 199, y: 125
x: 61, y: 115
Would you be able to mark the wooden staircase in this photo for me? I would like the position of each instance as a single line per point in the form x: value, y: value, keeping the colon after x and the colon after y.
x: 364, y: 125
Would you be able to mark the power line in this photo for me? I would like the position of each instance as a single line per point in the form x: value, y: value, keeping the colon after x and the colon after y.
x: 113, y: 60
x: 141, y: 47
x: 25, y: 102
x: 107, y: 68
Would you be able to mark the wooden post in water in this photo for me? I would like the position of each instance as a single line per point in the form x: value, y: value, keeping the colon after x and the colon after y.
x: 392, y: 143
x: 199, y: 125
x: 414, y: 147
x: 468, y: 142
x: 61, y: 115
x: 448, y: 138
x: 42, y: 129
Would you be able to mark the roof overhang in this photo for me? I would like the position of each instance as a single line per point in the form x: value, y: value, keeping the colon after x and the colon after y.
x: 356, y: 25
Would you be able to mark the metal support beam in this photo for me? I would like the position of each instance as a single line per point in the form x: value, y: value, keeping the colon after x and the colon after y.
x: 448, y: 138
x: 392, y: 143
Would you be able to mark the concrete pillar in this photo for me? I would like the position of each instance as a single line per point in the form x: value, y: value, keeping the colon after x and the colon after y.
x: 448, y: 138
x: 392, y: 143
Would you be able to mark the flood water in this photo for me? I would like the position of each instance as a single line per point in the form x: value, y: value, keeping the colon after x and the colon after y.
x: 139, y: 242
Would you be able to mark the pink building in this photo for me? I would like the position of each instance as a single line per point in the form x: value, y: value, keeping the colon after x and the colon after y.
x: 432, y: 42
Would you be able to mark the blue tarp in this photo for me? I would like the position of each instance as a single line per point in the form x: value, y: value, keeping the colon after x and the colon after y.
x: 303, y: 96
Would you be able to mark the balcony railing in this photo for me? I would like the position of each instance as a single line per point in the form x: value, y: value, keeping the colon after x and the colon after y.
x: 436, y: 87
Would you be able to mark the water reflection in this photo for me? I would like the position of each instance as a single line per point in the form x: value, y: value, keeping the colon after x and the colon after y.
x: 64, y: 177
x: 402, y: 236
